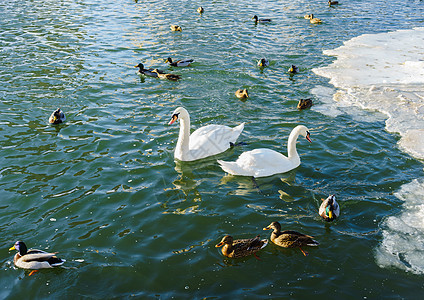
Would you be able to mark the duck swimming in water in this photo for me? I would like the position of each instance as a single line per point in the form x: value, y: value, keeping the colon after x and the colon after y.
x: 263, y: 62
x: 314, y: 20
x: 293, y: 69
x: 147, y: 72
x: 173, y: 77
x: 257, y: 20
x: 176, y: 28
x: 241, y: 248
x: 329, y: 209
x: 242, y: 94
x: 332, y: 2
x: 34, y: 259
x: 304, y: 103
x: 200, y: 10
x: 179, y: 63
x: 57, y: 117
x: 290, y: 238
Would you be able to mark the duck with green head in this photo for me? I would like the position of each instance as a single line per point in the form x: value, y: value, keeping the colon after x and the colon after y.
x: 34, y: 259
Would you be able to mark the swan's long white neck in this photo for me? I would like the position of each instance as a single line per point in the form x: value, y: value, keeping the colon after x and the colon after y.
x: 291, y: 146
x: 182, y: 148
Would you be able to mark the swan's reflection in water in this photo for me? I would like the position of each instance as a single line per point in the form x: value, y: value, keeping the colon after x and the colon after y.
x: 263, y: 185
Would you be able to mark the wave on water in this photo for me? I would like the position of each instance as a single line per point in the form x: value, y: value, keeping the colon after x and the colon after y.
x: 385, y: 72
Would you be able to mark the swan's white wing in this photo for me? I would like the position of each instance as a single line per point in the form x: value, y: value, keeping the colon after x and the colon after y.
x: 258, y: 163
x: 212, y: 139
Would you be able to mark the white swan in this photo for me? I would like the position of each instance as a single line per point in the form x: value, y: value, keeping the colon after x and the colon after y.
x: 265, y: 162
x: 206, y: 141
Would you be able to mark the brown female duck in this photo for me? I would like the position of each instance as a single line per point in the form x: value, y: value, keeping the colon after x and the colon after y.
x: 304, y: 103
x: 242, y: 94
x: 290, y: 238
x: 240, y: 248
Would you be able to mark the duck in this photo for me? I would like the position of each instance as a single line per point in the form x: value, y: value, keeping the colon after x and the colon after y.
x: 308, y: 17
x: 57, y: 117
x: 265, y: 162
x: 206, y: 141
x: 200, y: 10
x: 304, y: 103
x: 147, y: 72
x: 332, y: 2
x: 172, y: 77
x: 293, y: 69
x: 263, y: 62
x: 314, y: 20
x: 34, y: 259
x: 241, y: 248
x: 329, y: 209
x: 179, y: 63
x: 290, y: 238
x: 176, y: 28
x: 242, y: 94
x: 255, y: 17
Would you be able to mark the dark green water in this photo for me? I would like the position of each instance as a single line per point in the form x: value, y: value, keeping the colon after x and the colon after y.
x: 103, y: 188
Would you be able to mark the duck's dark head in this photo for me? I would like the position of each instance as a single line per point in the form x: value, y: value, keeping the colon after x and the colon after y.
x: 140, y: 66
x: 255, y: 17
x: 168, y: 60
x: 20, y: 247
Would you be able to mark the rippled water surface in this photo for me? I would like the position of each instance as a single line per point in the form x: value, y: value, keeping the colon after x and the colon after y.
x: 104, y: 191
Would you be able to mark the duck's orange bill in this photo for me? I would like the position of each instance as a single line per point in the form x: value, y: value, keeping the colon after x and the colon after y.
x: 219, y: 245
x: 267, y: 228
x: 12, y: 248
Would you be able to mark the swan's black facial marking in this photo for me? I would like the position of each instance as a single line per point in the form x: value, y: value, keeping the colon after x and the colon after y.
x: 174, y: 118
x: 307, y: 137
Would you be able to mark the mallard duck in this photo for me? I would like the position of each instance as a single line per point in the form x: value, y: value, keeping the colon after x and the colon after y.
x: 304, y: 103
x: 57, y: 117
x: 172, y: 77
x: 263, y: 62
x: 293, y: 69
x: 176, y: 28
x: 329, y: 209
x: 179, y: 63
x: 34, y: 259
x: 290, y: 238
x: 240, y: 248
x: 255, y: 17
x: 147, y: 72
x: 314, y: 20
x: 242, y: 94
x: 332, y: 2
x: 308, y: 17
x: 200, y: 10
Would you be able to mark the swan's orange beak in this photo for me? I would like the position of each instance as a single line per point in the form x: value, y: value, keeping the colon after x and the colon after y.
x: 219, y: 244
x: 173, y: 119
x: 308, y: 138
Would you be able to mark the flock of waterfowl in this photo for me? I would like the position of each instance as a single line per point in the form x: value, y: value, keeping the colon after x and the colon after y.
x: 208, y: 141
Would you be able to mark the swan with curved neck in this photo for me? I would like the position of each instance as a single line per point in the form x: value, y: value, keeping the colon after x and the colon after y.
x: 206, y: 141
x: 264, y: 162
